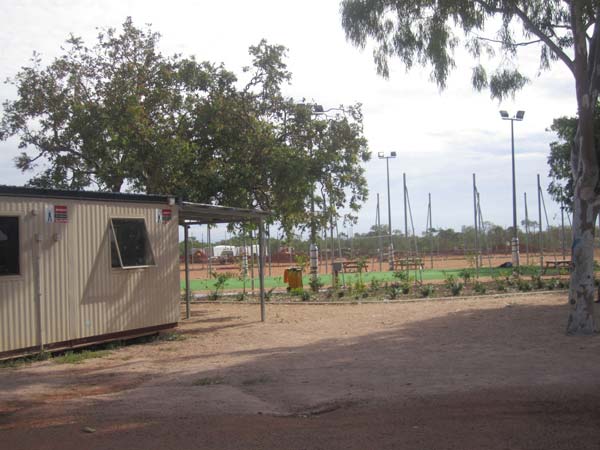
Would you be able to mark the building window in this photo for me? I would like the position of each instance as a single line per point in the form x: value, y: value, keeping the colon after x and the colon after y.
x: 129, y: 244
x: 9, y: 245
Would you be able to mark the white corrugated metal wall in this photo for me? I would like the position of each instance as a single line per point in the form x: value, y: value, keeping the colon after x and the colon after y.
x: 81, y: 295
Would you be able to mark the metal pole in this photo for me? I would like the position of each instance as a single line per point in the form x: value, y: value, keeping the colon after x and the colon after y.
x: 208, y: 241
x: 261, y: 268
x: 252, y: 262
x: 405, y: 219
x: 391, y: 250
x: 430, y: 229
x: 378, y: 220
x: 515, y: 242
x: 562, y: 229
x: 526, y: 228
x: 541, y: 244
x: 187, y: 270
x: 476, y: 226
x: 269, y: 247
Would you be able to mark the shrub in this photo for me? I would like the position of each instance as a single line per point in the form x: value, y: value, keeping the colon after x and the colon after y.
x: 401, y: 275
x: 466, y: 275
x: 479, y: 288
x: 316, y: 284
x: 375, y: 285
x: 393, y: 292
x: 427, y: 290
x: 305, y: 296
x: 523, y: 286
x: 537, y: 282
x: 453, y: 285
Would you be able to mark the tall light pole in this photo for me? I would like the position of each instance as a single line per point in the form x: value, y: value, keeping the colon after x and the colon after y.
x: 515, y: 239
x: 387, y: 164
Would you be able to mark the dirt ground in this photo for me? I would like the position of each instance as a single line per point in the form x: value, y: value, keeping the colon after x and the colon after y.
x: 495, y: 373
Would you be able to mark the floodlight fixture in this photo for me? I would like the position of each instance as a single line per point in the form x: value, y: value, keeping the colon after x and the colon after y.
x: 392, y: 154
x: 318, y: 109
x: 504, y: 114
x: 520, y: 115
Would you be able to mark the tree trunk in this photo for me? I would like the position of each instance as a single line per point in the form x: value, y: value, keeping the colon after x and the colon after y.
x: 582, y: 318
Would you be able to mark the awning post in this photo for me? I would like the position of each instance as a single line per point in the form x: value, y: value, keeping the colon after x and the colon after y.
x: 186, y: 228
x: 261, y: 268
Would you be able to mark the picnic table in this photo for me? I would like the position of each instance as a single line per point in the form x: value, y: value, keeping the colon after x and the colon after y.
x: 558, y: 264
x: 409, y: 263
x: 353, y: 266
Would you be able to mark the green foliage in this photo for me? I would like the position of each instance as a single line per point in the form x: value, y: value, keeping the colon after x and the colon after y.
x: 79, y: 356
x: 402, y: 275
x: 316, y: 284
x: 479, y: 288
x: 118, y: 113
x: 537, y: 282
x: 426, y: 290
x: 523, y: 285
x: 219, y: 284
x: 301, y: 261
x: 393, y: 291
x: 466, y: 275
x: 374, y: 285
x: 453, y: 285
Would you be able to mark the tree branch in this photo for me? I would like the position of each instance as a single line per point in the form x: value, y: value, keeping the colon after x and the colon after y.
x: 518, y: 44
x: 545, y: 39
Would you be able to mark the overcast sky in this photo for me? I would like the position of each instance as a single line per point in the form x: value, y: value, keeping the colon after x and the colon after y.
x: 441, y: 138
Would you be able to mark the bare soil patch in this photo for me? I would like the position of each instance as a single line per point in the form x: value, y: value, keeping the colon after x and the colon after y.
x: 491, y: 373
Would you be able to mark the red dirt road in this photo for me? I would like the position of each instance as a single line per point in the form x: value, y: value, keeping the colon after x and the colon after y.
x: 497, y: 373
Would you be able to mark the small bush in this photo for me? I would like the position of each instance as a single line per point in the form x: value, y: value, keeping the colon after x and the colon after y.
x: 427, y: 290
x: 394, y: 291
x: 340, y: 294
x: 453, y: 285
x: 479, y: 288
x: 552, y: 284
x: 401, y: 275
x: 523, y: 286
x: 375, y: 285
x: 305, y: 296
x: 316, y: 284
x: 466, y: 275
x: 537, y: 282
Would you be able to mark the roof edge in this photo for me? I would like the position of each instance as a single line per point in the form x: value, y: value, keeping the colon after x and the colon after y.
x: 24, y: 191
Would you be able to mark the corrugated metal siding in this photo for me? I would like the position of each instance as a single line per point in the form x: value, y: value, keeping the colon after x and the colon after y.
x: 82, y: 296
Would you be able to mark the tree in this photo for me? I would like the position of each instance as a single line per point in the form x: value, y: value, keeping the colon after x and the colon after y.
x: 120, y: 115
x: 108, y: 115
x: 427, y: 32
x: 559, y: 160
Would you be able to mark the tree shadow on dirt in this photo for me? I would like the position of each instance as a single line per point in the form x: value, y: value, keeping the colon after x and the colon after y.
x: 501, y: 377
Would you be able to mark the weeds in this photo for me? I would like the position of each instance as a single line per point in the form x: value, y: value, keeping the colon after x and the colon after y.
x: 77, y: 357
x: 427, y: 290
x: 453, y: 284
x: 208, y: 381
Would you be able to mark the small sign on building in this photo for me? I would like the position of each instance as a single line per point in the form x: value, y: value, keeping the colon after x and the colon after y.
x: 56, y: 214
x: 163, y: 215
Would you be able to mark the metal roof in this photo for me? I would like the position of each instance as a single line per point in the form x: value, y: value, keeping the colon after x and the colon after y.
x: 25, y: 191
x: 199, y: 213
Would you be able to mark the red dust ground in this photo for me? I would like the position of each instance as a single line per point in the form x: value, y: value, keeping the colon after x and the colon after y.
x: 494, y: 373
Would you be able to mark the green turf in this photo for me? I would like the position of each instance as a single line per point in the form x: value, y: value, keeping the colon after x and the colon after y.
x: 277, y: 282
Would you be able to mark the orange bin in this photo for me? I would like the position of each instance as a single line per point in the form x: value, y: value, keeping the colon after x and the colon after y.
x: 293, y: 277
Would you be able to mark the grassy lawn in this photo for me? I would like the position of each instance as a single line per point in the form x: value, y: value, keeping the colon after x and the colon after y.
x: 428, y: 275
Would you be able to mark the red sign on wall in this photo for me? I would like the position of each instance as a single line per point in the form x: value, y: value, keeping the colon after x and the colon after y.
x: 61, y: 214
x: 166, y: 215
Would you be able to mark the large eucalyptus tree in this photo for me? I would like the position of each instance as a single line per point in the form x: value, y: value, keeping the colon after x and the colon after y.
x: 427, y: 32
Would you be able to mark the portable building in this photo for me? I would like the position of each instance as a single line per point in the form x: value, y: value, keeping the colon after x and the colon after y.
x: 79, y: 267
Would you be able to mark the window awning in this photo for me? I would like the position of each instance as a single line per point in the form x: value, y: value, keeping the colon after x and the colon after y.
x: 199, y: 213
